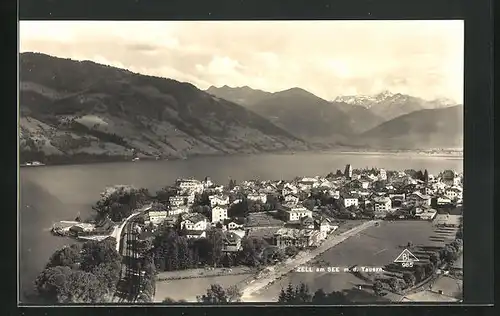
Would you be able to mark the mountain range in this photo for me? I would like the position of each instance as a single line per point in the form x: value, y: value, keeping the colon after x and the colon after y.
x: 346, y: 115
x: 82, y: 111
x: 72, y: 111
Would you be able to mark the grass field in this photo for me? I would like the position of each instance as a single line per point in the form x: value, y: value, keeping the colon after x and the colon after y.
x: 374, y: 247
x: 188, y: 289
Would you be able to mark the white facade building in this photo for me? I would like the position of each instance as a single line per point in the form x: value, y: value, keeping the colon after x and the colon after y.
x: 218, y: 200
x: 177, y: 200
x: 349, y: 201
x: 219, y: 214
x: 257, y: 197
x: 381, y: 204
x: 157, y: 217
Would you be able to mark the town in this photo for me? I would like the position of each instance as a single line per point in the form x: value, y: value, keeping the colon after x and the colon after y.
x: 199, y: 228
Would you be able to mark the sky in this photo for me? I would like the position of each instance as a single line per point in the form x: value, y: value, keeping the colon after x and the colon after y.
x: 328, y: 58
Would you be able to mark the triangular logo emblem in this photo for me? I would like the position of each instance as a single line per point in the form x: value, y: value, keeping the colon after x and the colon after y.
x: 406, y: 256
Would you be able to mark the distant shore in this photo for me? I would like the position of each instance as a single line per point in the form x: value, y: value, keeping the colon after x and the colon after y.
x: 453, y: 154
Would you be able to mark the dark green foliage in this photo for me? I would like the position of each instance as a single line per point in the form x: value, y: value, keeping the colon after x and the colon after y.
x: 300, y: 294
x: 92, y: 277
x: 121, y: 201
x: 216, y: 294
x: 378, y: 287
x: 67, y: 256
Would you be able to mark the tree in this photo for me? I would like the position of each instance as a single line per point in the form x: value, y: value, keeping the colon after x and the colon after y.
x: 291, y: 251
x: 64, y: 285
x: 51, y: 282
x: 309, y: 204
x: 119, y: 201
x: 67, y: 256
x: 95, y: 253
x: 108, y: 275
x: 289, y: 293
x: 426, y: 176
x: 409, y: 278
x: 216, y: 240
x: 169, y: 300
x: 419, y: 273
x: 252, y: 248
x: 395, y: 284
x: 434, y: 258
x: 282, y: 297
x: 302, y: 293
x: 164, y: 194
x: 216, y: 294
x: 319, y: 297
x: 378, y: 287
x: 429, y: 269
x: 337, y: 298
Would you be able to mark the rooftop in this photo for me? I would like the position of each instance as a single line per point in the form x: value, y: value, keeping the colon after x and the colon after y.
x: 293, y: 232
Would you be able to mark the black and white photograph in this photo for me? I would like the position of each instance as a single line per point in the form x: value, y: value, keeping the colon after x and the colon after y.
x: 217, y: 162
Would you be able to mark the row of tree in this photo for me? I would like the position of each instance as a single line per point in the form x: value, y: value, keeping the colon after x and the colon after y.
x: 420, y: 272
x: 301, y: 294
x: 79, y: 273
x: 172, y: 250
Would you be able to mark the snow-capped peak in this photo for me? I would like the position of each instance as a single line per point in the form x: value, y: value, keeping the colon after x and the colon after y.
x: 365, y: 100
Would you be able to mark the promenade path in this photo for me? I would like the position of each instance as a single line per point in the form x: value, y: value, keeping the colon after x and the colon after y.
x: 117, y: 232
x: 302, y: 258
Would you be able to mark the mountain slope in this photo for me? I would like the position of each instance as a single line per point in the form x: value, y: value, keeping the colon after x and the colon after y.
x: 73, y: 110
x: 429, y: 128
x: 362, y: 119
x: 245, y: 96
x: 305, y: 115
x: 388, y: 105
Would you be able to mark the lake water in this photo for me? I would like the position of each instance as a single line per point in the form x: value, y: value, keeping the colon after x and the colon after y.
x: 52, y: 193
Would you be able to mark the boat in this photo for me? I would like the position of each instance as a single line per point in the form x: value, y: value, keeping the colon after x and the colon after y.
x: 135, y: 159
x: 33, y: 164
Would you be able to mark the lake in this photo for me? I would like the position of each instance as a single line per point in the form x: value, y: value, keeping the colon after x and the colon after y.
x: 52, y: 193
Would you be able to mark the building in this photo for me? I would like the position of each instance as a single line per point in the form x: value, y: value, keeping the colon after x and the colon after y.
x: 157, y: 217
x: 220, y: 200
x: 335, y: 194
x: 207, y: 183
x: 292, y: 213
x: 350, y: 201
x: 348, y: 171
x: 190, y: 185
x: 443, y: 201
x: 425, y: 214
x: 196, y: 234
x: 231, y: 242
x: 234, y: 225
x: 291, y: 199
x: 324, y: 225
x: 453, y: 193
x: 177, y: 200
x: 289, y: 189
x: 189, y: 198
x: 382, y: 204
x: 219, y: 214
x: 194, y: 221
x: 307, y: 222
x: 419, y: 199
x: 382, y: 175
x: 261, y: 197
x: 286, y: 237
x: 176, y: 210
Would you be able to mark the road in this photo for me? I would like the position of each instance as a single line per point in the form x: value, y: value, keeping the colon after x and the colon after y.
x: 301, y: 259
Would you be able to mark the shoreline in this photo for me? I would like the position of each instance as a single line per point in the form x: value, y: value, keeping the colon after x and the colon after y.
x: 420, y: 153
